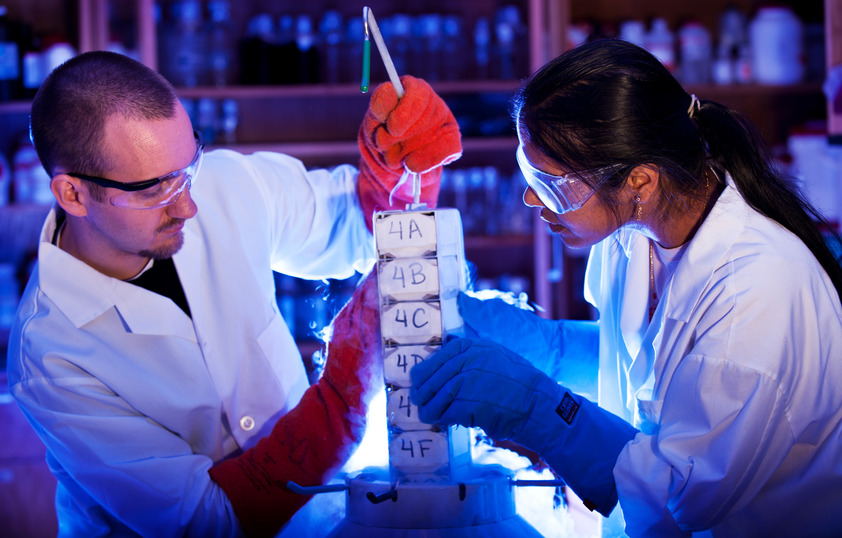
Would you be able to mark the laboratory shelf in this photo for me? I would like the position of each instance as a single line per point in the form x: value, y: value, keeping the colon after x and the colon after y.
x: 339, y: 90
x: 342, y: 151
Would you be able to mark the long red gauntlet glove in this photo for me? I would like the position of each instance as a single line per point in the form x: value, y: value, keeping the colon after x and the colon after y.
x: 311, y: 442
x: 416, y: 133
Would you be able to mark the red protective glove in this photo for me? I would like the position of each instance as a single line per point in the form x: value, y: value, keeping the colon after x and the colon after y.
x: 417, y: 133
x: 311, y: 442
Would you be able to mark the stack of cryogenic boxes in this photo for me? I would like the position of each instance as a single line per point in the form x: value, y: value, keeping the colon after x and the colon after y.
x: 421, y: 269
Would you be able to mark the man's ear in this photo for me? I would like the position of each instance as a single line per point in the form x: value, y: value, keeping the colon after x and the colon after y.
x: 643, y: 181
x: 69, y: 195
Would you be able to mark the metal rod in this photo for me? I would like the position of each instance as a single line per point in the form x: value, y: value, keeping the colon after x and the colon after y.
x: 311, y: 490
x: 384, y: 52
x: 522, y: 483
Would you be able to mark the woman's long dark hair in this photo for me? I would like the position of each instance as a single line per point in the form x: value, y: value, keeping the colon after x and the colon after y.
x: 611, y: 102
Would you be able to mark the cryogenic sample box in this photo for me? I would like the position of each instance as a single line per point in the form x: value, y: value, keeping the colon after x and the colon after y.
x: 420, y: 269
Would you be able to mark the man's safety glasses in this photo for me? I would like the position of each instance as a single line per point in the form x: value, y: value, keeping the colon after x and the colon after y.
x: 559, y: 194
x: 152, y: 193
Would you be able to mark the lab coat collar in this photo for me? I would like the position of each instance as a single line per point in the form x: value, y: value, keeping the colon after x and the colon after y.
x: 712, y: 241
x: 704, y: 254
x: 83, y: 293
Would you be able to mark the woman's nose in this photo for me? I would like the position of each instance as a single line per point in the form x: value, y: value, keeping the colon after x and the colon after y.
x: 531, y: 199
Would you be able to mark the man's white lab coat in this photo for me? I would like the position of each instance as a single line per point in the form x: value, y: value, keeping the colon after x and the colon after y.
x: 133, y: 399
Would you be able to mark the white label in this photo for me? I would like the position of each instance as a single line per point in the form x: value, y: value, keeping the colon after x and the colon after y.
x: 418, y: 451
x: 9, y: 69
x: 405, y: 234
x: 401, y: 412
x: 412, y: 322
x: 407, y: 279
x: 398, y: 361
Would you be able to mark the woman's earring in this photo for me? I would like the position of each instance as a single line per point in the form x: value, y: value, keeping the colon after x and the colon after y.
x: 639, y: 207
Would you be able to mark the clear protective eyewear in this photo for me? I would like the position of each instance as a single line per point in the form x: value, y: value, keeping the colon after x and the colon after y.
x: 559, y: 194
x: 152, y: 193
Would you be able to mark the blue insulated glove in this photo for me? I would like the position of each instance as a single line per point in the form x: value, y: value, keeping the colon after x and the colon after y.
x: 563, y: 349
x: 481, y: 383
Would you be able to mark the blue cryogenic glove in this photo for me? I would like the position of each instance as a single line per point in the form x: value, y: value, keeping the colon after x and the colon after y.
x: 563, y: 349
x: 481, y: 383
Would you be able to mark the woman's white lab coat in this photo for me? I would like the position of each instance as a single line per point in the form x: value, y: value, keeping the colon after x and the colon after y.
x: 736, y: 385
x: 133, y: 399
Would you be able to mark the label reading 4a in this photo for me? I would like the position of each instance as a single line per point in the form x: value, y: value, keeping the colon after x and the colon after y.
x: 405, y: 232
x: 413, y: 230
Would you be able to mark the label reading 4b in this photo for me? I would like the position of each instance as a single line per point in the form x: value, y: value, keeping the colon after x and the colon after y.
x: 406, y: 279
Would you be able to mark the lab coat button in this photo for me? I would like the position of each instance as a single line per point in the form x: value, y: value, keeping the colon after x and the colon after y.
x: 247, y: 423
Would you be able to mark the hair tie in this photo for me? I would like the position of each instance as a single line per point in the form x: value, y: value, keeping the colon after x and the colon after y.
x: 695, y: 105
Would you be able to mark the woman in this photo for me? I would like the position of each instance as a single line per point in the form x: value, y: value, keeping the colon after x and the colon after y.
x: 720, y: 324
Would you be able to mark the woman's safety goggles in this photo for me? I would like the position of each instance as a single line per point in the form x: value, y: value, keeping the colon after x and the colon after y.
x: 152, y: 193
x: 559, y: 194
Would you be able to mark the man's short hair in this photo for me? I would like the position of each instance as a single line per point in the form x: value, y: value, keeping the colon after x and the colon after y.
x: 71, y: 107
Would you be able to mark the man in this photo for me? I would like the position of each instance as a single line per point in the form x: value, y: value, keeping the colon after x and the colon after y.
x: 148, y: 351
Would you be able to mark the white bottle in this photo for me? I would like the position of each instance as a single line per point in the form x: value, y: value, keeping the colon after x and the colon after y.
x: 186, y: 46
x: 32, y: 183
x: 9, y: 295
x: 633, y: 31
x: 5, y: 181
x: 661, y: 43
x: 696, y: 52
x: 221, y: 43
x: 777, y: 46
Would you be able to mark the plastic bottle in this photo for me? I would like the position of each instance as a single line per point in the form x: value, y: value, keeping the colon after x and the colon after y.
x: 5, y: 181
x: 308, y: 59
x: 776, y: 37
x: 31, y: 181
x: 453, y: 47
x: 696, y: 53
x: 510, y: 15
x: 743, y: 73
x: 32, y: 62
x: 724, y: 65
x: 285, y: 56
x: 9, y: 295
x: 229, y: 122
x: 330, y: 40
x: 660, y: 41
x: 633, y: 31
x: 431, y: 30
x: 505, y: 50
x: 482, y: 46
x: 185, y: 49
x: 10, y: 71
x: 219, y: 33
x: 206, y: 119
x: 400, y: 46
